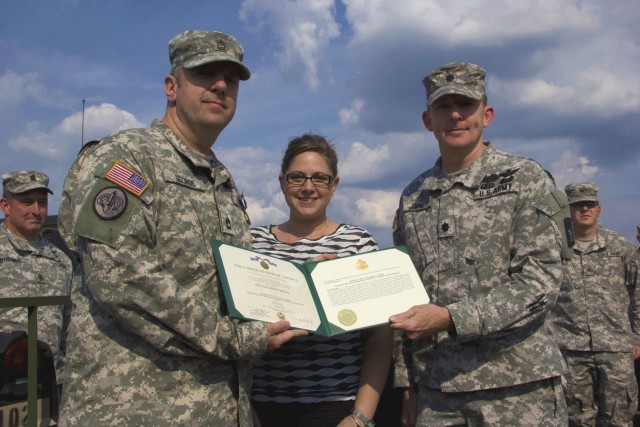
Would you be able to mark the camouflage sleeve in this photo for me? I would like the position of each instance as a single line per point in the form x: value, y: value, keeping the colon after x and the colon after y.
x: 631, y: 263
x: 402, y: 360
x: 534, y: 276
x: 125, y: 275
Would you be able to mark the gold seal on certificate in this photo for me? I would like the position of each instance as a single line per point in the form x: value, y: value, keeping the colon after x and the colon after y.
x: 347, y: 317
x: 281, y: 316
x: 361, y: 264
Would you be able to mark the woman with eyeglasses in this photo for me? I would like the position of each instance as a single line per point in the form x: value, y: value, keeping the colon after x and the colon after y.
x: 314, y: 380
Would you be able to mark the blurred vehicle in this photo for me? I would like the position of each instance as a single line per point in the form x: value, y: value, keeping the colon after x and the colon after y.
x: 13, y: 382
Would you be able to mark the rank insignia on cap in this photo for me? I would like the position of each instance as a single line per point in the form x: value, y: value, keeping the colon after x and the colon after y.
x: 126, y: 178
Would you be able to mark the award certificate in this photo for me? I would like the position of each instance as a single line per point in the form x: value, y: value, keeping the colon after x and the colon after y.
x: 324, y: 297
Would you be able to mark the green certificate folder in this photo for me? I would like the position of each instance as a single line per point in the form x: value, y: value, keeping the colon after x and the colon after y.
x: 325, y: 297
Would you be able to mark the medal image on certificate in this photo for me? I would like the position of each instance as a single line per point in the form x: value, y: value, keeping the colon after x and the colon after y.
x: 324, y: 297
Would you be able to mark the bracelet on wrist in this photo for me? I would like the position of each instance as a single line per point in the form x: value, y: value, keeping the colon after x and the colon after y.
x: 356, y: 420
x: 362, y: 417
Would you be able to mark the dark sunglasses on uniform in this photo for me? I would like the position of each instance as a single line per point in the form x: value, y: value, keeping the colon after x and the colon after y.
x: 318, y: 179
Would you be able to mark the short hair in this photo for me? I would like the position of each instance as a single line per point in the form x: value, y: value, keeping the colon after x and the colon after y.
x: 310, y: 142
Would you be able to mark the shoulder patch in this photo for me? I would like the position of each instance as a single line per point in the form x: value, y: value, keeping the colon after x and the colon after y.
x: 110, y: 203
x: 105, y: 212
x: 126, y: 178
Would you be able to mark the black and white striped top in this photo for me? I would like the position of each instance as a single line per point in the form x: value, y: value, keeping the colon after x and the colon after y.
x: 313, y: 368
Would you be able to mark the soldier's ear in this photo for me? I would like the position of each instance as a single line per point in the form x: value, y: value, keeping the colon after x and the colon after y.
x: 488, y: 115
x: 4, y: 205
x: 426, y: 119
x: 170, y: 87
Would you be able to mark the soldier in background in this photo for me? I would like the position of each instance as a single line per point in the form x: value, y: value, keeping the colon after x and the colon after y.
x: 150, y: 340
x: 480, y: 228
x: 597, y: 318
x: 31, y: 266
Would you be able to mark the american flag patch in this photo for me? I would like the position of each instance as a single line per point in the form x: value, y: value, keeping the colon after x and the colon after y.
x: 126, y: 178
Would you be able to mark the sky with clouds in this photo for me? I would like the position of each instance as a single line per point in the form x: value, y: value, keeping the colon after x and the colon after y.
x: 563, y: 77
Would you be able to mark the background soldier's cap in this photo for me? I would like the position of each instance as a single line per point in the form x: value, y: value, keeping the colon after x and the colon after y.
x: 21, y: 182
x: 582, y: 192
x: 459, y: 78
x: 194, y: 48
x: 638, y: 227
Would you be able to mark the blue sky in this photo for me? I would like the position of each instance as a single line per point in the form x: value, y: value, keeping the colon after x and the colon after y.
x: 563, y: 77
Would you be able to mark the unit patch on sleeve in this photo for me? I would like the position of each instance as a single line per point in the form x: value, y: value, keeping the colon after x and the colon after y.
x: 110, y: 203
x: 127, y: 179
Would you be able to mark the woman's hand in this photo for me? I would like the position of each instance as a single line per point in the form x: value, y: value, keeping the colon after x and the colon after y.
x: 347, y: 421
x: 324, y: 257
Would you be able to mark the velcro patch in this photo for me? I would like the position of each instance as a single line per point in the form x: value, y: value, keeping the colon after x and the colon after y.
x: 127, y: 179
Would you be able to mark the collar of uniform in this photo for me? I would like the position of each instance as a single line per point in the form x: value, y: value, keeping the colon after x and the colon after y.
x: 197, y: 159
x: 600, y: 242
x: 469, y: 177
x: 20, y: 244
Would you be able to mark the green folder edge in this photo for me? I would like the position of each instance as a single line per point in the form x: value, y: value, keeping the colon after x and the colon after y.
x: 326, y: 328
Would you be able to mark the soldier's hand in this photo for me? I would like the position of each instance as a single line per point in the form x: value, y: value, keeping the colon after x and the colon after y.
x: 422, y: 320
x: 636, y: 352
x: 279, y: 333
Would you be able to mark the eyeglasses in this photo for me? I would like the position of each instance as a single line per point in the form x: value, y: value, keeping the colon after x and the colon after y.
x: 580, y: 205
x: 318, y: 179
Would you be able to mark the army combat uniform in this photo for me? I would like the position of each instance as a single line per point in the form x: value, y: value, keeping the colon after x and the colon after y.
x: 597, y: 324
x: 484, y: 244
x: 33, y: 270
x: 150, y: 341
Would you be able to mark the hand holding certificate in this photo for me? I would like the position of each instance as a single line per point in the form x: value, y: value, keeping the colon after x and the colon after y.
x: 325, y: 297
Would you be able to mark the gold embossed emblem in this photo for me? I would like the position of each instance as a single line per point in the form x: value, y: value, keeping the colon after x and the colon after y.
x: 347, y: 317
x: 264, y: 264
x: 281, y: 316
x: 361, y: 265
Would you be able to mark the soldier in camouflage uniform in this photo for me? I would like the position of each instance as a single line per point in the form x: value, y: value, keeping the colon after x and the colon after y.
x: 479, y: 229
x: 31, y: 266
x: 150, y: 340
x: 597, y: 318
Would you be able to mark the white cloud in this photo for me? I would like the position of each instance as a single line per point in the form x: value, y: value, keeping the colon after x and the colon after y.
x: 66, y: 136
x: 605, y: 92
x: 471, y: 22
x: 363, y: 162
x: 367, y: 208
x: 570, y: 168
x: 399, y: 153
x: 351, y: 116
x: 303, y: 28
x: 20, y: 89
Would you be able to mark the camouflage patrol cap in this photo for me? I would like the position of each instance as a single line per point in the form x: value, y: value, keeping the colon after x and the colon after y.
x: 194, y: 48
x: 582, y: 192
x: 459, y: 78
x: 21, y: 182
